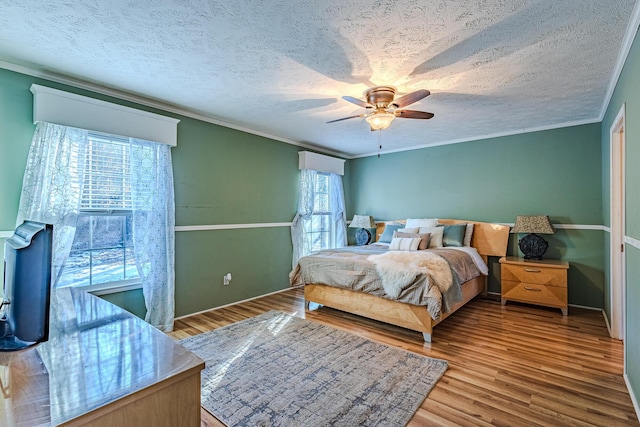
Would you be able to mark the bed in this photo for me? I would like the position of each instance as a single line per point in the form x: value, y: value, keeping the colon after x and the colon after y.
x: 417, y: 314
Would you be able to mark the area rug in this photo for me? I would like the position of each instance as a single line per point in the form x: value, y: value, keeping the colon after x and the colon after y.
x: 279, y: 370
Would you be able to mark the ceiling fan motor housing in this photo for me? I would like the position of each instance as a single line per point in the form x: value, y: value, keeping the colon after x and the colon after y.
x: 380, y: 96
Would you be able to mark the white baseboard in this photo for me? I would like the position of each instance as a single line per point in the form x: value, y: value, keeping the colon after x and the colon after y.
x: 606, y: 321
x: 585, y: 307
x: 238, y: 302
x: 632, y: 395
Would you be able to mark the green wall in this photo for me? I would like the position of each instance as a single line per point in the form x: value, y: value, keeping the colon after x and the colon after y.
x: 555, y: 172
x: 626, y: 93
x: 133, y: 301
x: 222, y: 176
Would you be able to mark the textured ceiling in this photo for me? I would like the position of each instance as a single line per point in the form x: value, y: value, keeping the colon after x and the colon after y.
x: 280, y: 67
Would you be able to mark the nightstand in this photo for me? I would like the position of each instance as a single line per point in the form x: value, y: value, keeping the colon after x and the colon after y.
x: 535, y: 282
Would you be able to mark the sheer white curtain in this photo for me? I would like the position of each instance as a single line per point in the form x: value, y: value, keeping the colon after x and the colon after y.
x: 301, y: 245
x: 153, y: 229
x: 52, y: 185
x: 338, y: 211
x: 301, y: 227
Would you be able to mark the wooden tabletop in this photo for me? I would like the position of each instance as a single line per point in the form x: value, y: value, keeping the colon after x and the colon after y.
x: 97, y: 353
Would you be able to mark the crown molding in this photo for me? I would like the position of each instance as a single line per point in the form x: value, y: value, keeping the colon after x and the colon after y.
x: 627, y: 42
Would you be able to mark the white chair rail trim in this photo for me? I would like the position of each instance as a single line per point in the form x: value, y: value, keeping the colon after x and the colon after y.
x: 180, y: 228
x: 231, y: 226
x: 631, y: 241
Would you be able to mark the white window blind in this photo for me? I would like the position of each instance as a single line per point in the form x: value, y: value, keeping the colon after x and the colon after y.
x: 319, y: 227
x: 107, y: 175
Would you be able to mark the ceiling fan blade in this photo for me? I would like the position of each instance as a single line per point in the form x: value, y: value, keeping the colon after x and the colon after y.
x: 346, y: 118
x: 410, y: 98
x: 412, y: 114
x: 357, y: 101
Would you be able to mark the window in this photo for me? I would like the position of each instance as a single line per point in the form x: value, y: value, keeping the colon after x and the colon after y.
x: 320, y: 222
x: 102, y: 252
x: 319, y: 232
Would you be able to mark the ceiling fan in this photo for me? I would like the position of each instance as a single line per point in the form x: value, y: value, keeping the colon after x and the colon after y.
x: 382, y: 108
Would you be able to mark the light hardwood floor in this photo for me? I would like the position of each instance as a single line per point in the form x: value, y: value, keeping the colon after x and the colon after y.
x: 516, y: 365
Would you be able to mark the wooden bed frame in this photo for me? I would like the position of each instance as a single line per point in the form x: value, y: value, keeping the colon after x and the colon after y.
x: 488, y: 239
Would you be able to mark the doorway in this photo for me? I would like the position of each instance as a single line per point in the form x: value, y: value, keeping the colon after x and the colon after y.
x: 617, y: 218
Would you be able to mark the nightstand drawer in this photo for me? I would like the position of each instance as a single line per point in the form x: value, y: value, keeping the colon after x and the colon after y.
x: 535, y: 274
x: 534, y: 293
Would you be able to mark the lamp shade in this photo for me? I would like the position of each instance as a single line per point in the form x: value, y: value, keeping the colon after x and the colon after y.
x: 380, y: 120
x: 538, y: 224
x: 362, y: 221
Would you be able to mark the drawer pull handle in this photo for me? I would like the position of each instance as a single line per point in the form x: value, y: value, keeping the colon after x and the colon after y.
x: 529, y: 288
x: 531, y: 270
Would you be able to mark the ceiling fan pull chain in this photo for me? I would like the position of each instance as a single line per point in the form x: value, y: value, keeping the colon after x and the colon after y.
x: 379, y: 142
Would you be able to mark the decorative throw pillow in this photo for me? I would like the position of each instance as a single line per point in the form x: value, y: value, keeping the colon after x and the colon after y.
x: 424, y: 238
x: 454, y: 234
x: 421, y: 222
x: 468, y: 234
x: 413, y: 230
x: 404, y: 244
x: 387, y: 235
x: 436, y: 236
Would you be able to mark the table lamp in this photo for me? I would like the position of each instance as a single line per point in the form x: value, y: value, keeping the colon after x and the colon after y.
x: 532, y: 245
x: 362, y: 222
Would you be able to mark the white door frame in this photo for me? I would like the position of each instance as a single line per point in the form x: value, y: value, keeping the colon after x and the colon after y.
x: 617, y: 264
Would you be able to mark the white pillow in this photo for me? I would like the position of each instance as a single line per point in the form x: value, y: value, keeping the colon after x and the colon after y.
x: 467, y: 235
x: 436, y: 236
x: 404, y: 244
x: 412, y: 230
x: 424, y: 222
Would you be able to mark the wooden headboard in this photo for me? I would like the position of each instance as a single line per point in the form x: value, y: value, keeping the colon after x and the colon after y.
x: 489, y: 239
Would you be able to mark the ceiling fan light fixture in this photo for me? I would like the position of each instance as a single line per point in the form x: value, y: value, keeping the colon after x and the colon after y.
x: 380, y: 120
x: 382, y: 108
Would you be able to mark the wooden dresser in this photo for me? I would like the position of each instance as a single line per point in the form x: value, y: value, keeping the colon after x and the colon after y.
x: 101, y: 366
x: 535, y: 282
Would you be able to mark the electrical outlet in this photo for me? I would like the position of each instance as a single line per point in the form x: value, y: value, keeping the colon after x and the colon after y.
x: 226, y: 279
